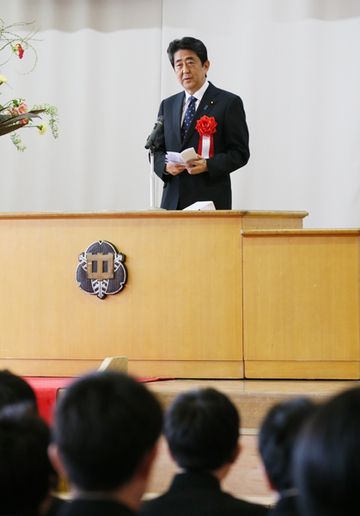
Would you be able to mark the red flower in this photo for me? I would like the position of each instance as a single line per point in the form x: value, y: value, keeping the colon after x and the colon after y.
x: 19, y: 50
x: 206, y: 125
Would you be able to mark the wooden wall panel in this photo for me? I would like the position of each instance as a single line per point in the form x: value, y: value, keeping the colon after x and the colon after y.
x: 301, y: 304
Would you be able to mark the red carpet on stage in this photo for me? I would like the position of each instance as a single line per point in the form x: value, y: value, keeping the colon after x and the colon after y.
x: 46, y: 390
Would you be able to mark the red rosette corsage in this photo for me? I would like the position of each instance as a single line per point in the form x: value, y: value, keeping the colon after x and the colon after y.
x: 206, y: 127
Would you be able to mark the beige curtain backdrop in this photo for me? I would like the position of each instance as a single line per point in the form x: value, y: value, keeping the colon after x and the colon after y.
x: 104, y: 64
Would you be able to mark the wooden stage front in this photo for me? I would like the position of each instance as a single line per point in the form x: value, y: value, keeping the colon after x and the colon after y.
x: 222, y: 294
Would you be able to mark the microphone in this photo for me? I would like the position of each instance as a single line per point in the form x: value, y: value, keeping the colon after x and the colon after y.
x: 151, y: 142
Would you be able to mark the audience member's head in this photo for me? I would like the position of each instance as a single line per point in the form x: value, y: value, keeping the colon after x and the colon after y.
x: 25, y: 470
x: 106, y: 429
x: 278, y: 433
x: 202, y: 430
x: 13, y: 389
x: 327, y: 458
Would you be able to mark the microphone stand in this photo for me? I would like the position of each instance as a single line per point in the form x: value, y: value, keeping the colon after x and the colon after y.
x: 153, y: 144
x: 152, y: 179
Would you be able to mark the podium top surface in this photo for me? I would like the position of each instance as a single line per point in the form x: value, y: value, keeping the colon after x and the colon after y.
x: 153, y: 214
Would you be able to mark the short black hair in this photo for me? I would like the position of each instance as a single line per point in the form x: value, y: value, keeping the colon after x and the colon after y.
x: 105, y: 423
x: 202, y: 429
x: 25, y: 471
x: 326, y: 460
x: 277, y: 436
x: 14, y: 389
x: 187, y: 43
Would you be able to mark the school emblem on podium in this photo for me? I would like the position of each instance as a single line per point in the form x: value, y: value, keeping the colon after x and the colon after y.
x: 101, y: 270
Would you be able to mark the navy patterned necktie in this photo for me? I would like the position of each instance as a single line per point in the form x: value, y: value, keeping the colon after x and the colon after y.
x: 189, y: 115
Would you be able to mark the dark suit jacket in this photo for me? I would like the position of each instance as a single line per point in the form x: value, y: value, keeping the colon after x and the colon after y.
x: 198, y: 494
x: 231, y: 149
x: 285, y: 506
x: 81, y: 507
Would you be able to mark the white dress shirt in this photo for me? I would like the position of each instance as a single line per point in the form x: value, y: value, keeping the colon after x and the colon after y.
x: 198, y: 95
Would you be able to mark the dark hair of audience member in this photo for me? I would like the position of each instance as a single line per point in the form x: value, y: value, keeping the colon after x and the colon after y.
x: 25, y: 470
x: 187, y: 43
x: 277, y: 436
x: 105, y: 423
x: 202, y: 430
x: 13, y: 389
x: 327, y: 458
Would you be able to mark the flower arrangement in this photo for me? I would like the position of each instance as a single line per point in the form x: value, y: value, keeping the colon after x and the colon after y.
x: 15, y: 114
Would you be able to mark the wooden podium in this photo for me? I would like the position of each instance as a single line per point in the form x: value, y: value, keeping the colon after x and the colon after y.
x: 302, y: 304
x: 180, y: 314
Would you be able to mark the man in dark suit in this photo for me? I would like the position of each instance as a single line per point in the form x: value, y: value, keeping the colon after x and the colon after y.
x: 106, y: 430
x: 202, y: 430
x: 206, y: 118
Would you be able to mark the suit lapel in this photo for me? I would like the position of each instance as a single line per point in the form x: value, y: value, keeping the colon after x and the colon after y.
x: 177, y: 112
x: 207, y: 102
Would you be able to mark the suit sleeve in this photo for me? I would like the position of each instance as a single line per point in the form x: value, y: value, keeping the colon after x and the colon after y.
x: 159, y: 154
x: 234, y: 152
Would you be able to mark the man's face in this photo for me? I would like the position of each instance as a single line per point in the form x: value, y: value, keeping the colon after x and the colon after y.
x: 189, y: 70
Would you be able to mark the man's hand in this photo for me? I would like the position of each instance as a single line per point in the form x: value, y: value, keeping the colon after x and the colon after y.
x: 196, y: 166
x: 173, y: 169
